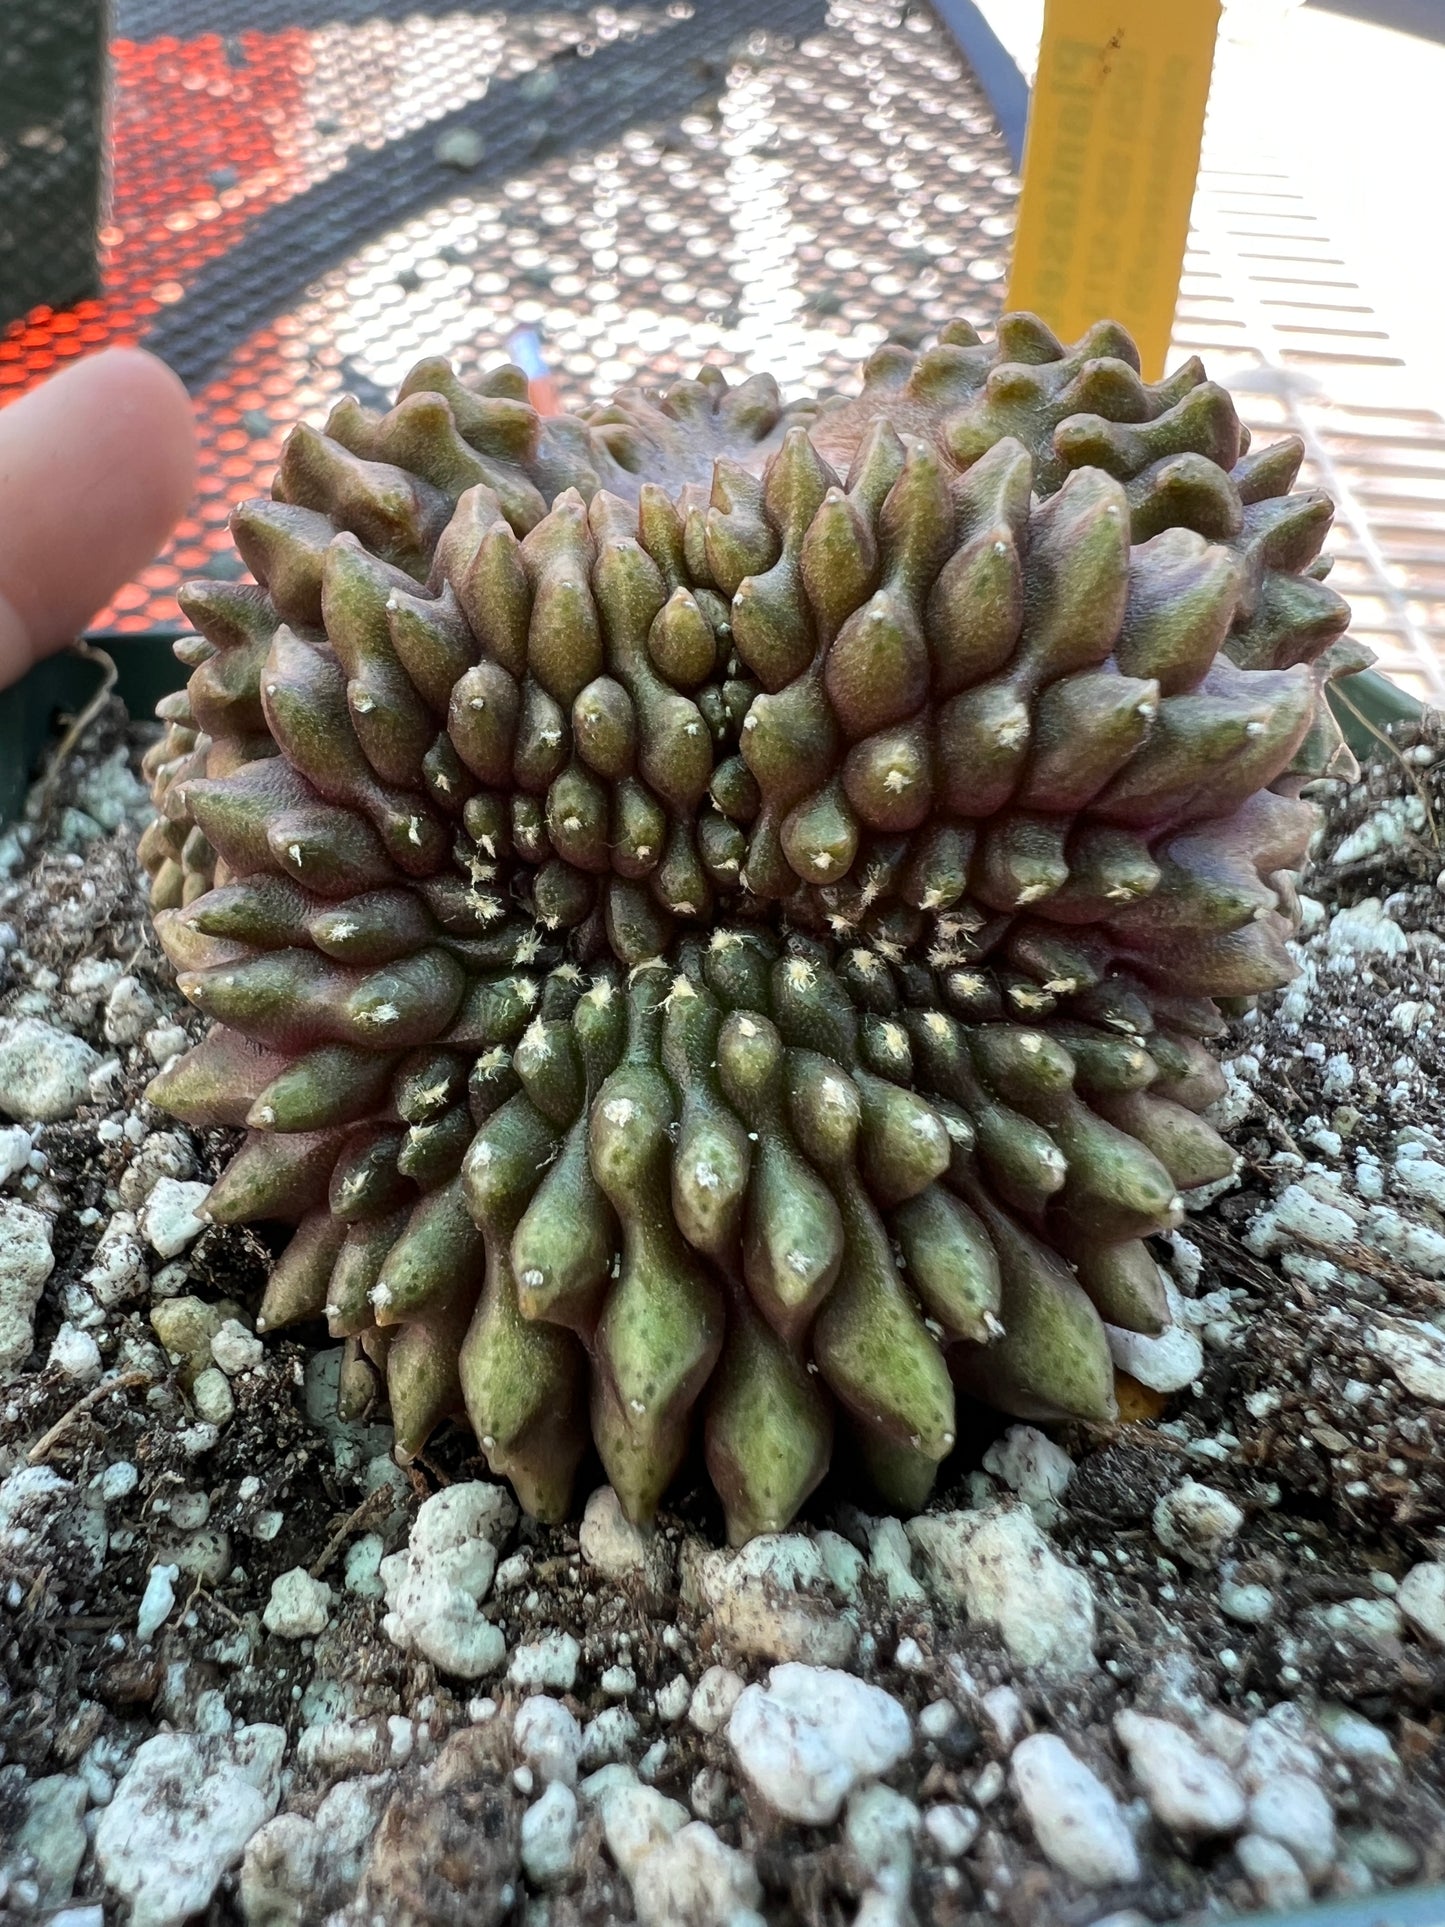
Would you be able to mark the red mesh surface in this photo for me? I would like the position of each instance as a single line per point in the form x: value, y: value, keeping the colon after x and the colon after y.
x: 204, y: 136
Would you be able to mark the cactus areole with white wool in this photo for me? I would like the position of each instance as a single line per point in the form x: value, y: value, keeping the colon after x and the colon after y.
x: 712, y: 911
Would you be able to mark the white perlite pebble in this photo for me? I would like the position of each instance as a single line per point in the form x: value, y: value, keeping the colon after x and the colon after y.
x: 1281, y: 1742
x: 1032, y: 1466
x: 636, y: 1819
x: 1187, y: 1788
x: 609, y: 1737
x: 182, y: 1816
x: 843, y: 1563
x: 44, y: 1072
x: 163, y: 1154
x: 549, y: 1835
x: 672, y: 1700
x: 811, y: 1735
x: 1415, y: 1353
x: 1359, y: 1739
x: 1373, y: 1622
x: 434, y: 1588
x: 78, y: 1917
x: 713, y: 1699
x: 609, y: 1541
x: 117, y: 1271
x: 53, y: 1835
x: 952, y: 1829
x: 1421, y: 1599
x: 1006, y: 1715
x: 998, y: 1565
x: 26, y: 1261
x: 548, y: 1738
x: 299, y: 1606
x: 1423, y: 1178
x: 1248, y: 1603
x: 294, y: 1865
x: 1167, y: 1363
x: 165, y: 1042
x: 513, y: 1572
x: 356, y: 1746
x: 773, y: 1599
x: 879, y: 1909
x: 549, y: 1661
x: 44, y: 1518
x: 1196, y: 1522
x: 169, y: 1217
x: 879, y: 1828
x: 694, y: 1878
x: 156, y: 1602
x: 1292, y: 1809
x: 989, y: 1784
x: 1383, y: 829
x: 1235, y: 1103
x: 1273, y: 1872
x: 129, y: 1011
x: 235, y: 1349
x: 76, y: 1354
x: 205, y: 1555
x: 1298, y: 1216
x: 891, y: 1557
x: 1406, y: 1240
x: 938, y: 1719
x: 1076, y: 1820
x: 212, y: 1396
x: 1363, y: 930
x: 15, y: 1148
x: 362, y: 1568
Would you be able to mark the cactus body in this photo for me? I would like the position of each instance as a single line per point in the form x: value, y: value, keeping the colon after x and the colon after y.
x: 711, y: 910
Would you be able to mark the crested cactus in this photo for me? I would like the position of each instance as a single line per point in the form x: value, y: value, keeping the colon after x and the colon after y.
x: 712, y: 912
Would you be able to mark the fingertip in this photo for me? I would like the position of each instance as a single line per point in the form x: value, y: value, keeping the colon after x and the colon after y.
x: 136, y: 414
x: 96, y: 467
x: 141, y: 384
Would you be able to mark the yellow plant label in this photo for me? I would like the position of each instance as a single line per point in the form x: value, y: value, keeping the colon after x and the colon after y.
x: 1110, y: 161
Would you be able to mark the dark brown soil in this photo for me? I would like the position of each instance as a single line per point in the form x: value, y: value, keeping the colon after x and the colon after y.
x: 1296, y: 1415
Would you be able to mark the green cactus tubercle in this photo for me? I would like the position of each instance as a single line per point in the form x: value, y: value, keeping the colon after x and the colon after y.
x: 712, y: 912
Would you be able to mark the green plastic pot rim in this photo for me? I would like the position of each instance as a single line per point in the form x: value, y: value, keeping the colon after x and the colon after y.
x: 1401, y: 1907
x: 146, y: 670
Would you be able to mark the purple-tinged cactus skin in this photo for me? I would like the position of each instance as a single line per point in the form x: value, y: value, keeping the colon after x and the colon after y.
x: 712, y: 912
